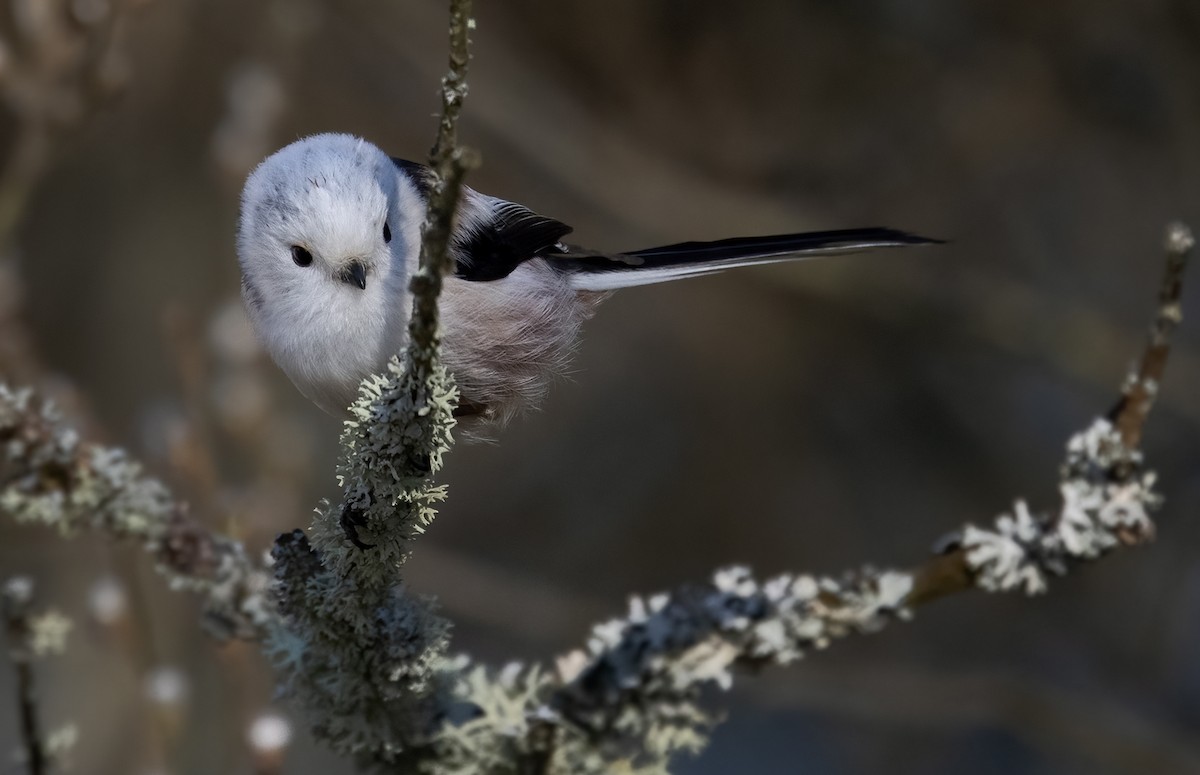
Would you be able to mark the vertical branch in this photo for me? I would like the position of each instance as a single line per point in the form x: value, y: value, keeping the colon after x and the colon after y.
x: 15, y: 600
x: 454, y: 83
x: 451, y: 164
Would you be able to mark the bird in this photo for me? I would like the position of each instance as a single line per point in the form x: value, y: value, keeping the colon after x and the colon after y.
x: 329, y: 233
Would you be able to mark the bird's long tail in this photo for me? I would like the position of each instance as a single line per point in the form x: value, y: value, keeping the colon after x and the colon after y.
x: 595, y: 272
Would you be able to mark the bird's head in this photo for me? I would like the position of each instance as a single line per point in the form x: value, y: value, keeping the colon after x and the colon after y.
x: 326, y: 232
x: 322, y: 216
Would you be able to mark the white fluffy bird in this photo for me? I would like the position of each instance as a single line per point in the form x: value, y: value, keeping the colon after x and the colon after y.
x: 330, y: 232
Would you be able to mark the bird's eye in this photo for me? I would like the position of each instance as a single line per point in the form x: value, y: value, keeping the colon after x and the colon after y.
x: 301, y: 256
x: 387, y: 233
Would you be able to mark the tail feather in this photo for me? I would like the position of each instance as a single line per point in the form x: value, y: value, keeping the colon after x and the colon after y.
x: 594, y: 272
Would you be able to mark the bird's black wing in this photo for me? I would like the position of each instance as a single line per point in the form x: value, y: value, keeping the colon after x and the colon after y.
x: 511, y: 235
x: 500, y: 237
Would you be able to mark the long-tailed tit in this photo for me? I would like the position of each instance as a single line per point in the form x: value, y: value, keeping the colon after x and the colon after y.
x: 330, y: 232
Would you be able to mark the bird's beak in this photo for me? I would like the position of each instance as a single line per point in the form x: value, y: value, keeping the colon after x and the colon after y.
x: 355, y: 274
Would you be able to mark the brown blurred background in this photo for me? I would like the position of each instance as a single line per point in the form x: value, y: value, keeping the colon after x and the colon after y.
x: 805, y: 417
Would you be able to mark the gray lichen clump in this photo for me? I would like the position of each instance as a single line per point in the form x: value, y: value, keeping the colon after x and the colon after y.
x: 1106, y: 502
x: 637, y: 687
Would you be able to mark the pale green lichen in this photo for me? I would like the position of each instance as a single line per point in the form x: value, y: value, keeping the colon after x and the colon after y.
x: 635, y: 691
x: 497, y: 729
x: 360, y: 654
x: 399, y: 431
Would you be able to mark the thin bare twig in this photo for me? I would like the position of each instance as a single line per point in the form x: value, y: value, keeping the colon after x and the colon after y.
x: 1129, y: 415
x: 15, y: 599
x: 451, y: 163
x: 454, y: 83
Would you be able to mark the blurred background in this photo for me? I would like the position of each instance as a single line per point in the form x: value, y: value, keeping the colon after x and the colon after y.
x: 806, y: 417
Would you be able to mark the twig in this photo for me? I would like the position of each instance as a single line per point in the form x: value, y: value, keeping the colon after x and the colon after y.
x: 15, y: 599
x: 454, y: 83
x: 1129, y: 415
x: 426, y: 285
x: 451, y: 164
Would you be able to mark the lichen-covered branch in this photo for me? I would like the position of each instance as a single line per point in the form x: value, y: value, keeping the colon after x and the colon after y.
x: 631, y: 697
x: 634, y: 691
x: 953, y: 571
x: 49, y: 476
